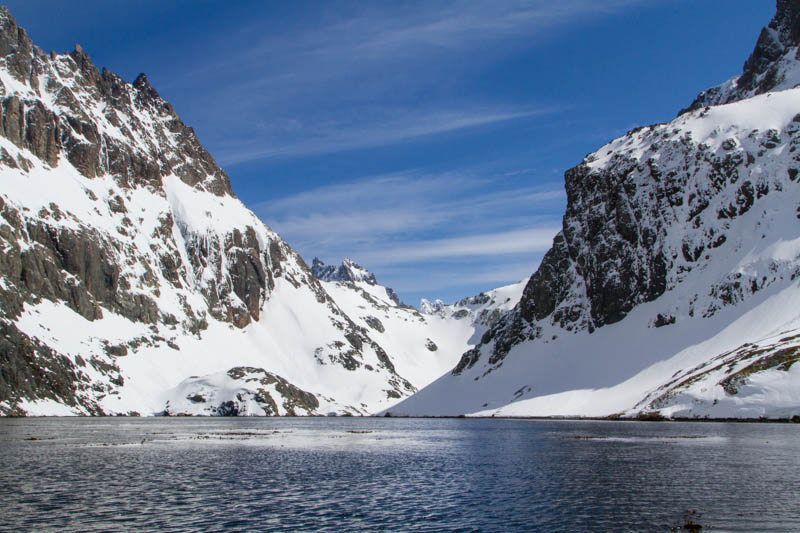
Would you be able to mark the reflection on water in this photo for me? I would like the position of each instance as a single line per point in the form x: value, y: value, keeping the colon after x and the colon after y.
x: 395, y: 474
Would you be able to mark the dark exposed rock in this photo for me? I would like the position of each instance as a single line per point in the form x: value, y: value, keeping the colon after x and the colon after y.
x: 612, y: 255
x: 32, y: 370
x: 780, y: 360
x: 461, y: 313
x: 30, y: 125
x: 663, y: 320
x: 295, y: 400
x: 374, y: 323
x: 618, y: 273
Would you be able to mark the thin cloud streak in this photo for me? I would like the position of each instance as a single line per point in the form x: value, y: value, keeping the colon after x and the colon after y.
x: 311, y: 89
x: 343, y: 137
x: 493, y: 244
x: 412, y: 185
x: 342, y: 44
x: 387, y: 209
x: 379, y: 191
x: 416, y: 230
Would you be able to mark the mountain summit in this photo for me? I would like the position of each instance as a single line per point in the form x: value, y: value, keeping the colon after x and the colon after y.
x: 349, y: 270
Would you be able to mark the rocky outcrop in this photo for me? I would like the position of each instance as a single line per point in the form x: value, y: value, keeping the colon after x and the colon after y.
x: 247, y: 391
x: 30, y: 369
x: 348, y: 272
x: 124, y: 144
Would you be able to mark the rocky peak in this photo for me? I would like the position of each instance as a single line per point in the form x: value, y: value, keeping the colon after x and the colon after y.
x: 773, y: 65
x: 144, y: 87
x: 47, y: 115
x: 787, y: 21
x: 427, y: 307
x: 348, y: 270
x: 15, y: 47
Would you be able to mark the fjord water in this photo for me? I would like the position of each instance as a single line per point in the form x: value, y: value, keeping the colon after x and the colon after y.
x: 335, y: 474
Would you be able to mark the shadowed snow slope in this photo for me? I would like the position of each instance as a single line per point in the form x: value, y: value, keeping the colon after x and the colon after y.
x: 673, y: 285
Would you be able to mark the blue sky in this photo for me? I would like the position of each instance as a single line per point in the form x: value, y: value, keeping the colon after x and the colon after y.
x: 426, y: 140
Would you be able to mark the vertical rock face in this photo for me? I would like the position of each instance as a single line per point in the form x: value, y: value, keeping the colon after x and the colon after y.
x: 120, y: 238
x: 649, y: 209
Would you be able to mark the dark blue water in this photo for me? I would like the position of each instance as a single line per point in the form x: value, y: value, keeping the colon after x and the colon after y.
x: 351, y: 474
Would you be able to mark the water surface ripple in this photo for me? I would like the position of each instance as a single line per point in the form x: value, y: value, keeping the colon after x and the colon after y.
x: 354, y: 474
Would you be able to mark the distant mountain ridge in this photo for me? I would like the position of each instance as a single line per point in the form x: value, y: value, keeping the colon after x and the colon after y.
x: 349, y: 270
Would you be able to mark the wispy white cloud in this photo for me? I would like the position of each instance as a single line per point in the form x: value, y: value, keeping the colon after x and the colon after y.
x: 295, y: 139
x: 424, y: 232
x: 379, y: 191
x: 386, y: 210
x: 341, y: 40
x: 491, y: 244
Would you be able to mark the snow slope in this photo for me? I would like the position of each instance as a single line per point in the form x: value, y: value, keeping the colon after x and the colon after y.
x: 425, y: 345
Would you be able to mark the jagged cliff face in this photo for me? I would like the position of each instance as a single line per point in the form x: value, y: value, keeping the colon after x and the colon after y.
x: 671, y: 233
x: 125, y: 258
x: 648, y: 210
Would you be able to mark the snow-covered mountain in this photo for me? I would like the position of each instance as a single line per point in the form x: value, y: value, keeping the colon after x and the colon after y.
x: 674, y: 285
x: 133, y: 280
x: 423, y: 346
x: 349, y: 270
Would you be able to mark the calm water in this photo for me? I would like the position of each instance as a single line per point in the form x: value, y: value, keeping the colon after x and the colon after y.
x: 338, y: 474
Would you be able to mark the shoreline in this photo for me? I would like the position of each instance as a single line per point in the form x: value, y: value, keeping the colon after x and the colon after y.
x: 793, y: 420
